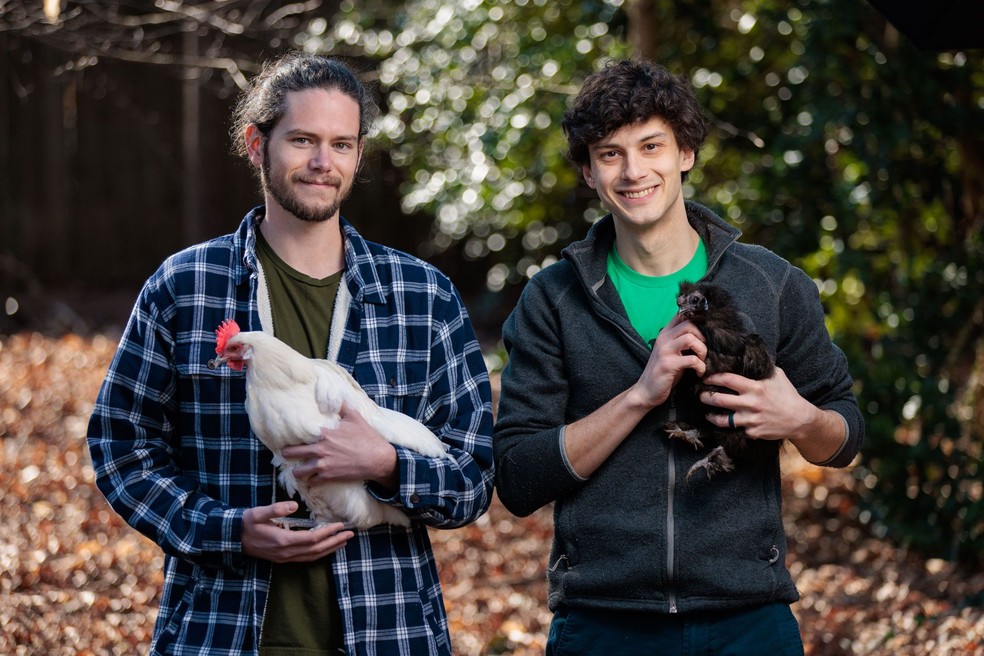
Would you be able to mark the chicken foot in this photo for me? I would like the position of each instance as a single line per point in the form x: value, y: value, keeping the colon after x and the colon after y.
x: 678, y: 431
x: 716, y: 462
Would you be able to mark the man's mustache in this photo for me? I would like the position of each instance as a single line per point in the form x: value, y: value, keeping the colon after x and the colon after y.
x: 330, y: 180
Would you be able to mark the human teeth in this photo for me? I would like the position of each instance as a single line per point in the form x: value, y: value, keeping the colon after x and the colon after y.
x: 637, y: 194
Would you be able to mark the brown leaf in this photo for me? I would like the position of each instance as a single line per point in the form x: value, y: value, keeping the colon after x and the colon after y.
x: 75, y: 580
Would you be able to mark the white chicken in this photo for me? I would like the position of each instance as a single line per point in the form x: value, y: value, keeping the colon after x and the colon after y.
x: 290, y: 398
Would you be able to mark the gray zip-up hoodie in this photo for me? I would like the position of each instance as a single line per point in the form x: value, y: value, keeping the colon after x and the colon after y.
x: 637, y: 535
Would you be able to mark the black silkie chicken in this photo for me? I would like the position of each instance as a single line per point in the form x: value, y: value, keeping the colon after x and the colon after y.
x: 730, y: 349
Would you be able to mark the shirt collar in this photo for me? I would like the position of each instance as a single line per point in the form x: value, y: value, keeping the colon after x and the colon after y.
x: 360, y: 273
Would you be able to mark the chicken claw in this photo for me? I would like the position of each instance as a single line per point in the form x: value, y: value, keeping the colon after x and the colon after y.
x: 306, y: 523
x: 716, y: 462
x: 683, y: 432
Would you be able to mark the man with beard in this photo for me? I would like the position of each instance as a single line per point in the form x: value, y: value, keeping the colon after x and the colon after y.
x: 170, y: 439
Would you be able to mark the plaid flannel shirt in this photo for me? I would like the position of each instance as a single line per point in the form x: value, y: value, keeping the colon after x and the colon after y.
x: 174, y: 456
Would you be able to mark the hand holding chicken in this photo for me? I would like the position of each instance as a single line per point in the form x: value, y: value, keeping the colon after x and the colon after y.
x: 291, y: 399
x: 731, y: 349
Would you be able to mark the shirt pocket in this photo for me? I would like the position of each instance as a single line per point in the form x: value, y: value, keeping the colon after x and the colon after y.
x: 211, y: 402
x: 193, y: 359
x: 400, y: 386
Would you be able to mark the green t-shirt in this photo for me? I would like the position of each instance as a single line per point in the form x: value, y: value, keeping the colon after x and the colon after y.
x: 650, y: 301
x: 302, y: 613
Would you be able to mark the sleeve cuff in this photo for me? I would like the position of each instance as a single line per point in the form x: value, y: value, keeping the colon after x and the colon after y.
x: 847, y: 440
x: 409, y: 495
x: 563, y: 454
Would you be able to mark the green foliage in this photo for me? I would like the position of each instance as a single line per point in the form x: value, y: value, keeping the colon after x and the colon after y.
x: 898, y: 256
x: 834, y: 142
x: 473, y: 95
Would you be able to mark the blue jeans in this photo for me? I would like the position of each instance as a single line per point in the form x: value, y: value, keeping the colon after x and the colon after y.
x: 770, y: 629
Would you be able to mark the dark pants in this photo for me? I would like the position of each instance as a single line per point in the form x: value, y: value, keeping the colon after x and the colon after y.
x: 756, y: 631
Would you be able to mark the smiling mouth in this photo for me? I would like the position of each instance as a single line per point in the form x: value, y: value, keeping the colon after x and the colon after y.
x: 319, y: 183
x: 638, y: 194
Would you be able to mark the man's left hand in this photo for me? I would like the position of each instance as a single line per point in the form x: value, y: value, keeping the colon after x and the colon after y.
x: 351, y: 451
x: 769, y: 409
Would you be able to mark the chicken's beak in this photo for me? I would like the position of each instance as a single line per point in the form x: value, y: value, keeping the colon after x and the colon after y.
x: 215, y: 363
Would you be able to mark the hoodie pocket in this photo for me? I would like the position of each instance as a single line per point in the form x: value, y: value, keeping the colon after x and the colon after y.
x: 556, y: 573
x: 730, y: 538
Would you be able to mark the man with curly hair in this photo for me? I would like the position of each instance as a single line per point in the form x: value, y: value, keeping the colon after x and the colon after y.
x: 646, y: 560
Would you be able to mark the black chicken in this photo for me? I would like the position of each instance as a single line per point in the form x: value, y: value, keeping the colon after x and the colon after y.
x: 730, y: 348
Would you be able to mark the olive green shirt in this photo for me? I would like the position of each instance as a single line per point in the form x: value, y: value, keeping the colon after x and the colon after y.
x: 302, y: 615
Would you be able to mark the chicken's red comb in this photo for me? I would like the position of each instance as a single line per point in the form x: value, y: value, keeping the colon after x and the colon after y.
x: 228, y: 329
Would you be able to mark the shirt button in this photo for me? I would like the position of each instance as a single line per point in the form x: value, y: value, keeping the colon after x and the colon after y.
x: 414, y: 498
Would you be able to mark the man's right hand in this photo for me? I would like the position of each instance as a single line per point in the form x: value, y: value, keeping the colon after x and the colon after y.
x: 679, y: 347
x: 590, y: 440
x: 262, y: 538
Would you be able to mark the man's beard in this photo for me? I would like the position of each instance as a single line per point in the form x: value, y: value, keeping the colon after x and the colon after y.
x: 280, y: 190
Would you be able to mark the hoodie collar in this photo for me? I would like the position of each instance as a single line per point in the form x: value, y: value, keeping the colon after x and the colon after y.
x: 590, y: 254
x: 716, y: 233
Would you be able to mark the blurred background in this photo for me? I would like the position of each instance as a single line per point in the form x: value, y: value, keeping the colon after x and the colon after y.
x: 846, y: 135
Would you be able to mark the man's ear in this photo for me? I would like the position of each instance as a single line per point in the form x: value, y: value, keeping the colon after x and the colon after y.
x: 586, y: 174
x: 687, y: 159
x: 254, y: 145
x: 358, y: 166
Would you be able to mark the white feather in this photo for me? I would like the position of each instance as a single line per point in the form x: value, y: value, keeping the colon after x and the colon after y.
x: 289, y: 398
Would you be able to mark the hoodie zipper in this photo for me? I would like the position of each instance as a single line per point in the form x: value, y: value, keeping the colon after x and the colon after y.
x: 573, y: 254
x: 670, y: 525
x: 671, y: 460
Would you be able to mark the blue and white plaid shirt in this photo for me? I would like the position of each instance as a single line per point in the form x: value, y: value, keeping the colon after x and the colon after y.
x: 173, y: 453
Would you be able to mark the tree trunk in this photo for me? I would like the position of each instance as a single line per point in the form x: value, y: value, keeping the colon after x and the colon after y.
x: 49, y: 235
x: 642, y: 28
x: 191, y: 156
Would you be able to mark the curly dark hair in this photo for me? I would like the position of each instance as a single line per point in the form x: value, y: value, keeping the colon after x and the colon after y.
x: 264, y: 101
x: 627, y: 92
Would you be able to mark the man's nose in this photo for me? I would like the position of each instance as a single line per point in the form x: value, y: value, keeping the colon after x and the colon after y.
x: 321, y: 159
x: 632, y: 168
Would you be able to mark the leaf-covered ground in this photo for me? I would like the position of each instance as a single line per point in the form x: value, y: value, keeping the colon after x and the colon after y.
x: 75, y: 580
